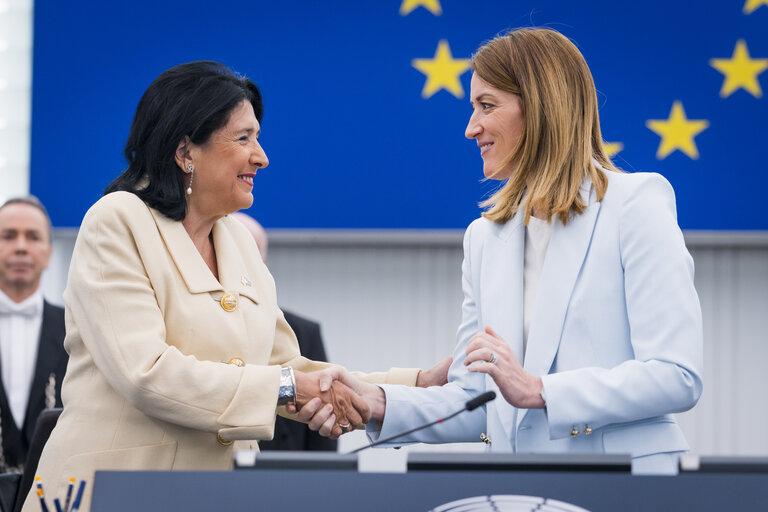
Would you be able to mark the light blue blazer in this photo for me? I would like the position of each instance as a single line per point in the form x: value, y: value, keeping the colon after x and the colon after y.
x: 616, y: 333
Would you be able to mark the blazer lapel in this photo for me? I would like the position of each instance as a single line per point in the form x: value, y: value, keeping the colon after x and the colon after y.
x: 49, y: 353
x: 565, y: 257
x: 501, y: 299
x: 5, y: 409
x: 196, y: 274
x: 233, y: 275
x: 233, y: 270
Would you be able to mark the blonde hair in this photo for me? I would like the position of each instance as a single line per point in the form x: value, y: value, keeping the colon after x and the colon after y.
x: 561, y: 127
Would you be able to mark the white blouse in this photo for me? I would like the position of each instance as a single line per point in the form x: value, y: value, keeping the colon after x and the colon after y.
x: 537, y: 235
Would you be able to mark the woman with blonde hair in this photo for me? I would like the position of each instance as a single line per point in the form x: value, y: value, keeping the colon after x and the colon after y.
x: 579, y: 305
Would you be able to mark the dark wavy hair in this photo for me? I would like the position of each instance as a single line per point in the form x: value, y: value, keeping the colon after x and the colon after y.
x: 190, y: 100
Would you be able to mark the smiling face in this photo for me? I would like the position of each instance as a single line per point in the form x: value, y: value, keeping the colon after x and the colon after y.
x: 25, y: 249
x: 224, y: 167
x: 497, y: 125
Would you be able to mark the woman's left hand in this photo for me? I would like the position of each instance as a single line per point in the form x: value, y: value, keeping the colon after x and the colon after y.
x: 519, y: 388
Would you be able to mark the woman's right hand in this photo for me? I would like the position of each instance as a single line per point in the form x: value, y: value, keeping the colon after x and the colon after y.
x: 327, y: 405
x: 321, y: 416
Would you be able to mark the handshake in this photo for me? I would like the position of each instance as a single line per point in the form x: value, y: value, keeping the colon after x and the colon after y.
x: 334, y: 402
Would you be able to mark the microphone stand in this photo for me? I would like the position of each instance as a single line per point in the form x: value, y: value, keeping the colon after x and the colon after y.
x: 470, y: 406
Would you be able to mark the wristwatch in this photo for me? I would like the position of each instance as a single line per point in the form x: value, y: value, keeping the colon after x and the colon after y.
x: 287, y: 392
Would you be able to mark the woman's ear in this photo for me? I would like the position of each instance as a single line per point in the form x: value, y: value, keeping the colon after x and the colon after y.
x: 182, y: 156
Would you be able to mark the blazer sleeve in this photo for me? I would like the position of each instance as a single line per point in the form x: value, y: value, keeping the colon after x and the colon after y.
x: 665, y: 326
x: 115, y: 312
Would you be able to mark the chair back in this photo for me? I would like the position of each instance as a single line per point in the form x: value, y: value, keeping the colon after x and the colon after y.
x: 9, y: 488
x: 45, y: 423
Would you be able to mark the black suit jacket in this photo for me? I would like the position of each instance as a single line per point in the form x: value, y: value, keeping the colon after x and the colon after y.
x: 51, y: 360
x: 292, y: 435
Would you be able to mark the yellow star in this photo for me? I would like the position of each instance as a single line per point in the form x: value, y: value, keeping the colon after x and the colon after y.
x: 442, y: 72
x: 740, y: 71
x: 677, y: 132
x: 612, y: 148
x: 432, y: 5
x: 751, y: 5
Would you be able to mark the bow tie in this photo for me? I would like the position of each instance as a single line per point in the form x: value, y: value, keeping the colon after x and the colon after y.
x: 28, y: 308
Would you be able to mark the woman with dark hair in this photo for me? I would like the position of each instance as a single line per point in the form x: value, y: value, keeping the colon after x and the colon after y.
x: 177, y: 346
x: 579, y: 305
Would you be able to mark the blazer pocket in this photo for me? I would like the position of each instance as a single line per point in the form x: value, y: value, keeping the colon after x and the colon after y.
x: 660, y: 435
x: 157, y: 457
x: 250, y: 293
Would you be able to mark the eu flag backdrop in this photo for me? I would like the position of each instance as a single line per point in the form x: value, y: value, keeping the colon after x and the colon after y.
x: 366, y: 102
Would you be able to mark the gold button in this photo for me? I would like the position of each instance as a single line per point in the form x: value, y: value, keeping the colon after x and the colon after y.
x: 229, y: 302
x: 237, y: 362
x: 222, y: 441
x: 574, y: 432
x: 588, y: 430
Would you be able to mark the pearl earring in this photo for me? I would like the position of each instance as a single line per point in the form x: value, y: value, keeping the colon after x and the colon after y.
x: 191, y: 177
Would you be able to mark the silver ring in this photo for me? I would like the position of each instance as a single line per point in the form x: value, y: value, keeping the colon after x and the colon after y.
x: 494, y: 358
x: 344, y: 428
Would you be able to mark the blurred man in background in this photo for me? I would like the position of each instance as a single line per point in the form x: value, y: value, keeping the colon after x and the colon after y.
x: 32, y: 355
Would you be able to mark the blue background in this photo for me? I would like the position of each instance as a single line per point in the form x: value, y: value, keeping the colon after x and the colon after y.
x: 351, y: 141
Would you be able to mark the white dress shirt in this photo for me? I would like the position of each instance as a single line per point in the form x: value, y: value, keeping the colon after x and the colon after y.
x: 19, y: 339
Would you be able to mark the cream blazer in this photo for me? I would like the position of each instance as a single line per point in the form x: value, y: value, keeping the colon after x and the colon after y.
x: 616, y: 334
x: 148, y: 386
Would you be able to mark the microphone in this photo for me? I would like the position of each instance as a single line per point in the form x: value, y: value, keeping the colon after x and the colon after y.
x: 480, y: 400
x: 471, y: 405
